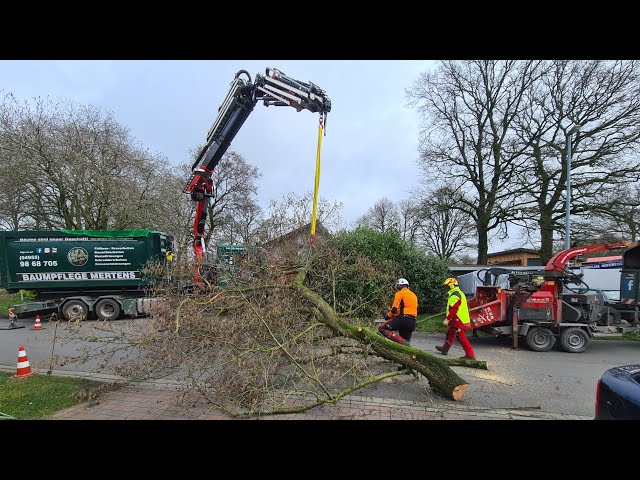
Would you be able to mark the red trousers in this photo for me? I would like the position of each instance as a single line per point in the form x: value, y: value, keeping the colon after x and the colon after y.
x: 451, y: 336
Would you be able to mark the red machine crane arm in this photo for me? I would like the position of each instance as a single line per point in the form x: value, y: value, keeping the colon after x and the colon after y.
x: 560, y: 259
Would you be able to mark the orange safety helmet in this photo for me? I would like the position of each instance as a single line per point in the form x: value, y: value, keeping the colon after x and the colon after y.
x: 450, y: 282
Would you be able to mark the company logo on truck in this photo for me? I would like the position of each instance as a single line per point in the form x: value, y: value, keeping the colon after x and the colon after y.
x: 69, y: 276
x: 78, y: 256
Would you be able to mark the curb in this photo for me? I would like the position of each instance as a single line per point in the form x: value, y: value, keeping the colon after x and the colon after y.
x: 104, y: 377
x: 436, y: 409
x: 467, y: 410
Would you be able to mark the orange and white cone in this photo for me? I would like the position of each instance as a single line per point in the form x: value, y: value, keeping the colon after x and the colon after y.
x: 37, y: 325
x: 24, y: 370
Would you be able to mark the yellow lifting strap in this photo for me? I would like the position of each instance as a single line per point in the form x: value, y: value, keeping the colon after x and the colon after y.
x: 317, y: 186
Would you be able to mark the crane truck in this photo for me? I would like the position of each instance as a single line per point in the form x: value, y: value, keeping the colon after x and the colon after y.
x: 543, y: 312
x: 98, y: 273
x: 273, y: 88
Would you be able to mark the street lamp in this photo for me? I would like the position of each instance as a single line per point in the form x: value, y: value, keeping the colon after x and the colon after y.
x: 567, y: 222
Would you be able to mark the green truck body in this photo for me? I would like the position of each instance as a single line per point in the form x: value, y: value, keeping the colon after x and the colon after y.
x: 86, y: 273
x: 78, y: 260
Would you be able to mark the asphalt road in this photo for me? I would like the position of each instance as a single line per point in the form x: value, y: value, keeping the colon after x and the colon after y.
x: 555, y: 381
x: 39, y: 344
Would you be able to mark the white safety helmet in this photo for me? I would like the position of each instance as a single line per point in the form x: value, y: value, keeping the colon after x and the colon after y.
x: 402, y: 282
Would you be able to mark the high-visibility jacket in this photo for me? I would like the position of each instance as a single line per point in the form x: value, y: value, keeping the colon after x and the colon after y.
x: 405, y: 302
x: 457, y: 305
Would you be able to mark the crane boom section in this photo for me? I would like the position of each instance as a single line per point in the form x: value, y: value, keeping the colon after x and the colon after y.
x: 273, y: 88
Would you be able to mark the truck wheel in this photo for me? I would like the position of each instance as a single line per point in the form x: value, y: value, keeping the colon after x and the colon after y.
x: 609, y: 316
x: 574, y: 340
x: 74, y: 309
x: 540, y: 339
x: 107, y: 309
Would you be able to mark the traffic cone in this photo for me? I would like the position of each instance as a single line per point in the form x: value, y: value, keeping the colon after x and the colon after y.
x: 37, y: 325
x: 24, y: 370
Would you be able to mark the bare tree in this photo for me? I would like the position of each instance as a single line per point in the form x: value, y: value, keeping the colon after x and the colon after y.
x: 463, y: 259
x: 234, y: 184
x: 247, y: 220
x: 601, y: 97
x: 77, y: 168
x: 410, y: 216
x: 444, y: 230
x: 175, y: 212
x: 293, y: 211
x: 240, y: 225
x: 381, y: 217
x: 615, y: 217
x: 468, y: 109
x: 13, y: 192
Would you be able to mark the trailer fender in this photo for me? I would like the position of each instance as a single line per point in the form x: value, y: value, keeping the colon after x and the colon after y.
x: 523, y: 329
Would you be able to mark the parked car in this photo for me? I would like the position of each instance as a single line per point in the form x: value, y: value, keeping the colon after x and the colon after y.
x: 618, y: 394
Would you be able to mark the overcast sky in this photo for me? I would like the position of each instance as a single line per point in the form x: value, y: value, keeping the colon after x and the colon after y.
x: 370, y: 148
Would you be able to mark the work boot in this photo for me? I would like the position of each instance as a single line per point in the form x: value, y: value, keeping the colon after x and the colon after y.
x: 468, y: 358
x: 444, y: 349
x: 407, y: 343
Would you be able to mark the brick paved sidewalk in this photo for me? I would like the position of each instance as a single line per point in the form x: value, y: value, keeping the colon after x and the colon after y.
x: 160, y: 401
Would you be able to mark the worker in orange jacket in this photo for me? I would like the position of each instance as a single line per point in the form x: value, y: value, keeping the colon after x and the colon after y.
x: 457, y: 316
x: 400, y: 321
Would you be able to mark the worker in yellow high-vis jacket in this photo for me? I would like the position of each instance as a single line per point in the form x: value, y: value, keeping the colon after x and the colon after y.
x: 457, y: 316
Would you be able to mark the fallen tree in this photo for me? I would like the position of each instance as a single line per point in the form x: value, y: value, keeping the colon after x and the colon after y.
x: 267, y: 343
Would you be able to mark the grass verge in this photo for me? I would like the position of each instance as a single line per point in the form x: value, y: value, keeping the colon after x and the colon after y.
x: 39, y: 396
x: 8, y: 299
x: 635, y: 336
x: 431, y: 323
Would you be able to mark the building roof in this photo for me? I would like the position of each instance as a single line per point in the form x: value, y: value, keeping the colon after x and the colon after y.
x: 474, y: 268
x: 515, y: 250
x: 304, y: 229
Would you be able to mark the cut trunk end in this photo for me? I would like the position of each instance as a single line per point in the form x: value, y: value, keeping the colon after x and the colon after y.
x: 459, y: 391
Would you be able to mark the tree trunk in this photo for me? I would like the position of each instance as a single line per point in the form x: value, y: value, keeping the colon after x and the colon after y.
x: 483, y: 245
x: 442, y: 379
x: 546, y: 235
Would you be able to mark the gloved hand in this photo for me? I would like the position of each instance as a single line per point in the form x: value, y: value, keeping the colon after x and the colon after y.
x: 386, y: 316
x: 446, y: 322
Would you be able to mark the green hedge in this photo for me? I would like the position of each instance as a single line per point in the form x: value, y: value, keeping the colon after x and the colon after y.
x: 356, y: 271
